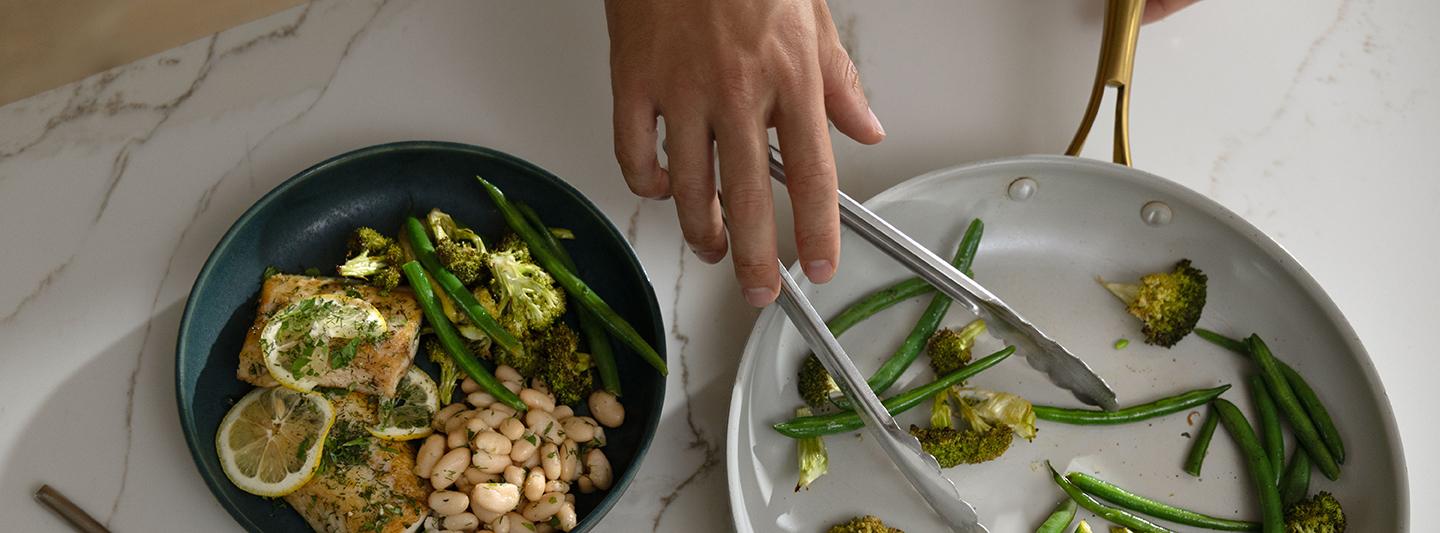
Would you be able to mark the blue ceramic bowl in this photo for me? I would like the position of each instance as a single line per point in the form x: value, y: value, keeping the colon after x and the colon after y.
x: 303, y: 223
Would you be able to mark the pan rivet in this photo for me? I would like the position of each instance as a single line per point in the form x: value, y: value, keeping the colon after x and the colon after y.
x: 1156, y: 213
x: 1022, y: 189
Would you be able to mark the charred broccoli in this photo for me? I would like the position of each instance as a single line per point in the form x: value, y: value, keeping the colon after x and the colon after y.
x: 571, y: 375
x: 374, y: 258
x: 1168, y: 304
x: 1319, y: 514
x: 863, y: 524
x: 529, y: 298
x: 449, y: 373
x: 816, y: 385
x: 459, y: 249
x: 814, y: 460
x: 992, y: 420
x: 552, y: 343
x: 949, y: 349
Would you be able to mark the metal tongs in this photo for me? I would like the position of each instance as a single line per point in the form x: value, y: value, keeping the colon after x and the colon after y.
x: 1045, y: 354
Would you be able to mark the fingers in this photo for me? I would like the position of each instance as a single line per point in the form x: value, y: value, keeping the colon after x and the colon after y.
x: 810, y: 180
x: 845, y: 100
x: 692, y: 183
x: 1159, y: 9
x: 635, y: 146
x: 744, y: 173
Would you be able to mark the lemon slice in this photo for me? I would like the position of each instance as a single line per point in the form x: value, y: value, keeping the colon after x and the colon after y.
x: 315, y: 336
x: 407, y: 416
x: 270, y: 442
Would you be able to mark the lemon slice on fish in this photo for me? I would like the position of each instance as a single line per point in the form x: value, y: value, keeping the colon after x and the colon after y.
x: 407, y: 415
x: 270, y: 442
x: 315, y: 336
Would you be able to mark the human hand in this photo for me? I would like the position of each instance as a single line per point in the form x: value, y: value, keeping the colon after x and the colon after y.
x: 723, y: 72
x: 1159, y: 9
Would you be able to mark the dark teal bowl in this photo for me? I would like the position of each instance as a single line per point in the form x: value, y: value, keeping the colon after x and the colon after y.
x: 303, y: 223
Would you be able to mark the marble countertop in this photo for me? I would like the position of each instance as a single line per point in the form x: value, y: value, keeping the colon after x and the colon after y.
x: 1313, y: 119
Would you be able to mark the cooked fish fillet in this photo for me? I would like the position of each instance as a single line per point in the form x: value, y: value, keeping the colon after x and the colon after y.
x: 376, y: 369
x: 365, y: 484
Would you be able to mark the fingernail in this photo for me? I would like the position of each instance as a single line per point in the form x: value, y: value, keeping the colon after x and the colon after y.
x: 710, y: 257
x: 759, y: 296
x: 820, y: 270
x: 875, y: 120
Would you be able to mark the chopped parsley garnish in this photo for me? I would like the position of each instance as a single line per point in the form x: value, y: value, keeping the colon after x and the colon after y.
x: 341, y: 358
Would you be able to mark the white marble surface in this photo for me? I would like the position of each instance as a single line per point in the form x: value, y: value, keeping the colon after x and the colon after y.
x: 1314, y: 119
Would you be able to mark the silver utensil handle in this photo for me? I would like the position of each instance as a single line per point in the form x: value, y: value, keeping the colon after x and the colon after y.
x: 920, y: 468
x: 1042, y: 352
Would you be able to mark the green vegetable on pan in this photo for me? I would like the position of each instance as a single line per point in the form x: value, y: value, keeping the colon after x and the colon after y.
x: 571, y: 283
x: 1269, y: 418
x: 1140, y: 504
x: 809, y: 426
x: 1305, y: 431
x: 814, y: 460
x: 1168, y: 304
x: 595, y: 337
x: 1295, y: 482
x: 1135, y: 413
x: 1201, y: 445
x: 1256, y: 462
x: 1318, y: 414
x: 463, y: 298
x: 452, y: 342
x: 1059, y: 521
x: 1118, y: 516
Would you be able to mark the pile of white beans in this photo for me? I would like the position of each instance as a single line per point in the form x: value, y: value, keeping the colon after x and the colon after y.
x: 496, y: 471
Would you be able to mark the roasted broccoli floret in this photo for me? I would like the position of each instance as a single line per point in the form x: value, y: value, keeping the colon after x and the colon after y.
x: 449, y: 373
x: 458, y: 248
x: 1319, y: 514
x: 863, y: 524
x: 816, y: 385
x: 541, y: 346
x: 953, y: 446
x: 980, y: 408
x: 529, y: 298
x: 949, y: 349
x: 814, y: 460
x: 1168, y: 304
x: 571, y: 375
x: 374, y: 258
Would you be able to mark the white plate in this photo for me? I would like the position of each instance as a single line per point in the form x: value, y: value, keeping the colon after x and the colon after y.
x: 1042, y: 256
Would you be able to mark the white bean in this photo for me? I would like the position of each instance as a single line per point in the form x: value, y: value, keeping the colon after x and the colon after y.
x: 444, y: 414
x: 537, y: 400
x: 599, y: 436
x: 448, y: 502
x: 456, y: 439
x: 606, y: 409
x: 490, y: 463
x: 480, y: 399
x: 506, y: 373
x: 469, y: 385
x: 597, y: 467
x: 509, y: 411
x: 524, y: 447
x: 429, y: 453
x: 486, y: 516
x: 557, y: 486
x: 562, y: 412
x: 586, y: 486
x: 569, y: 460
x: 449, y: 467
x: 496, y: 497
x: 462, y: 522
x: 490, y: 442
x: 534, y: 484
x: 543, y: 424
x: 515, y: 475
x: 533, y: 461
x: 511, y: 428
x: 518, y: 524
x: 566, y: 516
x: 457, y: 422
x: 550, y: 460
x: 476, y: 475
x: 463, y: 485
x: 539, y: 384
x: 513, y: 386
x: 544, y: 507
x: 493, y: 417
x: 578, y: 428
x: 544, y: 527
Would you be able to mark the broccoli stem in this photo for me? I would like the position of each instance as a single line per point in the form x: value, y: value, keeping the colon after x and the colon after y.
x: 810, y: 426
x: 451, y: 341
x: 425, y: 253
x: 572, y: 283
x: 595, y: 337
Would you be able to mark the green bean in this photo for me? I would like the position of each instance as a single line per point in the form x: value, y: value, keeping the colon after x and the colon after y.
x: 1258, y: 464
x: 1269, y: 419
x: 811, y: 426
x: 1295, y: 483
x: 425, y: 253
x: 590, y: 326
x: 1134, y: 413
x: 1118, y: 516
x: 1059, y: 520
x: 876, y: 302
x: 450, y: 339
x: 1290, y: 406
x: 929, y: 321
x: 1201, y: 445
x: 1318, y: 414
x: 1141, y: 504
x: 571, y: 283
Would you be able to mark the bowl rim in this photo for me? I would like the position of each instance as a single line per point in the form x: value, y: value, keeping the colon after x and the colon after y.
x: 1129, y: 175
x: 183, y: 343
